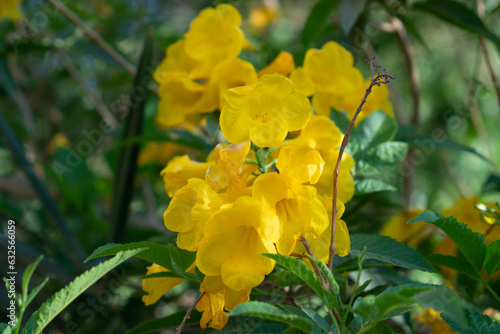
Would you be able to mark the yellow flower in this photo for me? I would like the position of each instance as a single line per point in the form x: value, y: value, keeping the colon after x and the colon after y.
x: 320, y: 246
x: 9, y: 9
x: 331, y: 69
x: 320, y: 133
x: 179, y: 98
x: 433, y: 321
x: 176, y: 62
x: 301, y: 163
x: 302, y: 82
x: 234, y: 239
x: 263, y: 112
x: 158, y: 152
x: 264, y: 15
x: 411, y: 234
x: 324, y: 101
x: 283, y: 64
x: 213, y: 37
x: 179, y: 170
x: 58, y: 140
x: 189, y: 210
x: 217, y: 298
x: 295, y: 205
x: 228, y: 167
x: 227, y: 74
x: 156, y: 287
x: 345, y: 185
x: 377, y: 100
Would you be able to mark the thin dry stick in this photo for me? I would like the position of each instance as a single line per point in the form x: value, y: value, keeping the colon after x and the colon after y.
x: 101, y: 107
x: 407, y: 49
x: 484, y: 49
x: 188, y: 313
x: 375, y: 81
x: 307, y: 246
x: 95, y: 37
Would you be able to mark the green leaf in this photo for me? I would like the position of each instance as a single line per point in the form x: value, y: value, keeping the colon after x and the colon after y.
x: 301, y: 313
x: 367, y: 186
x: 327, y: 275
x: 392, y: 302
x: 5, y: 329
x: 340, y: 119
x: 152, y: 252
x: 270, y: 312
x: 317, y: 20
x: 492, y: 261
x: 309, y: 277
x: 34, y: 293
x: 470, y: 243
x: 475, y: 323
x: 127, y: 161
x: 61, y: 299
x: 189, y: 276
x: 270, y: 329
x: 28, y: 272
x: 171, y: 321
x: 316, y: 318
x: 382, y: 156
x: 453, y: 263
x: 457, y: 14
x: 380, y: 328
x: 374, y: 129
x: 388, y: 250
x: 350, y: 10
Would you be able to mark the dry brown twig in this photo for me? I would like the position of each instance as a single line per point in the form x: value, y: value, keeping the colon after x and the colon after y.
x: 307, y: 246
x: 188, y: 313
x: 376, y: 80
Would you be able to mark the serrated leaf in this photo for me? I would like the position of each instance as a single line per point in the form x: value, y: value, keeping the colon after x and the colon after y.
x: 373, y: 130
x: 270, y: 329
x: 28, y: 272
x: 61, y: 299
x: 350, y: 10
x: 392, y: 302
x: 317, y: 19
x: 453, y: 263
x: 380, y: 328
x: 270, y: 312
x: 34, y: 292
x: 475, y: 323
x: 327, y: 275
x: 309, y: 277
x: 388, y: 250
x: 457, y: 14
x: 171, y: 321
x: 367, y: 186
x: 492, y: 260
x: 385, y: 155
x: 152, y: 252
x: 470, y: 243
x: 316, y: 318
x: 301, y: 313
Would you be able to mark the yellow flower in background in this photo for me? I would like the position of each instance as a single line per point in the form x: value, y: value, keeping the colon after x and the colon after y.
x: 179, y: 170
x: 320, y: 246
x: 432, y: 319
x: 283, y: 64
x: 218, y: 298
x: 332, y: 69
x: 264, y: 15
x: 263, y: 112
x: 234, y: 239
x: 179, y: 98
x: 377, y: 100
x: 159, y: 153
x: 176, y: 62
x: 156, y: 287
x: 225, y: 173
x: 227, y: 74
x: 58, y: 140
x: 411, y: 234
x: 214, y: 36
x: 10, y: 9
x: 189, y: 210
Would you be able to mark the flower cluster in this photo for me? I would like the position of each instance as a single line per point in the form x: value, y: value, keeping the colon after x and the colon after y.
x: 10, y: 9
x: 272, y: 184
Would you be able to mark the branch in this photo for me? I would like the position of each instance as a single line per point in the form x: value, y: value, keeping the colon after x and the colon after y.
x: 95, y: 37
x: 307, y: 246
x: 375, y: 81
x: 188, y: 313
